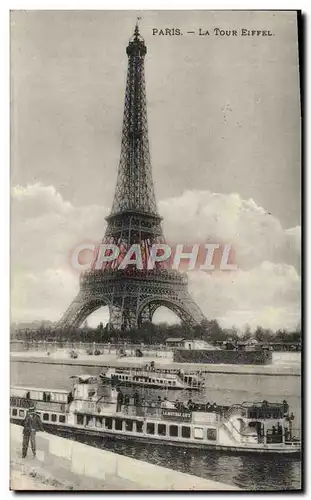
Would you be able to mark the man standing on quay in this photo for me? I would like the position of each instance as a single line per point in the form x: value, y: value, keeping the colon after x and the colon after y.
x: 32, y: 424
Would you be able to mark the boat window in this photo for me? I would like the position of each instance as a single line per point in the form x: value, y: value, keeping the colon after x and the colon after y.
x: 198, y: 433
x: 21, y: 413
x: 211, y: 434
x: 98, y: 421
x: 126, y: 378
x: 80, y: 419
x: 62, y: 419
x: 89, y: 420
x: 174, y: 430
x: 108, y: 423
x: 150, y: 428
x: 174, y: 382
x: 54, y: 417
x: 14, y: 412
x: 118, y: 424
x: 185, y: 431
x: 169, y: 381
x: 129, y: 425
x: 45, y: 416
x: 162, y: 429
x: 139, y: 426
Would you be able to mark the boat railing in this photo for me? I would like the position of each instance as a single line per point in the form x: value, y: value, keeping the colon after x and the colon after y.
x: 261, y: 410
x: 294, y: 444
x: 138, y: 410
x: 236, y: 408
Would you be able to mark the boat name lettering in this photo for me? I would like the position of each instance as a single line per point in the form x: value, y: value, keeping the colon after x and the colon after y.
x: 176, y: 415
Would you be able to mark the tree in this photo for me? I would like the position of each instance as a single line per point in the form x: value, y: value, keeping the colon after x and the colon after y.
x: 247, y: 333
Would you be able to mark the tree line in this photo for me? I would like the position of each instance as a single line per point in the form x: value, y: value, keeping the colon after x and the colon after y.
x: 150, y: 333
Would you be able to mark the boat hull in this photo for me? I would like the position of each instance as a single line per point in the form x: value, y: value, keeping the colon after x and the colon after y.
x: 73, y: 431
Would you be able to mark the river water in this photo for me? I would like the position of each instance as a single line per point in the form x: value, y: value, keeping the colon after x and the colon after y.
x: 248, y: 471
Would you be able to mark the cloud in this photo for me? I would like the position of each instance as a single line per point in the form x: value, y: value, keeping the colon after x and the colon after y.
x: 42, y: 295
x: 267, y: 296
x: 255, y: 234
x: 264, y: 290
x: 45, y: 228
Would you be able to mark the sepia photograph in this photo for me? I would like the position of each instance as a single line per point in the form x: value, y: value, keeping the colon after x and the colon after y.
x: 155, y: 250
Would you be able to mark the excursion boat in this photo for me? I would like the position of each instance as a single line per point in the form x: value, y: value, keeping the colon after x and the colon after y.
x: 246, y: 427
x: 153, y: 378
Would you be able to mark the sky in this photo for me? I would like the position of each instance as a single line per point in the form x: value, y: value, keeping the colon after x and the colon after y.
x: 224, y: 133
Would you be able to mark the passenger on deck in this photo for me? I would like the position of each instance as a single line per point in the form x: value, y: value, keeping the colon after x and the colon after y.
x: 164, y: 402
x: 190, y: 404
x: 167, y: 404
x: 183, y: 407
x: 126, y: 403
x: 139, y: 410
x: 136, y: 398
x: 178, y: 405
x: 152, y: 407
x: 158, y: 403
x: 285, y: 407
x: 119, y: 400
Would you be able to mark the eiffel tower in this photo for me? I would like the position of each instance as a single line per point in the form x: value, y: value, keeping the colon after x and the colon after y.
x: 133, y: 295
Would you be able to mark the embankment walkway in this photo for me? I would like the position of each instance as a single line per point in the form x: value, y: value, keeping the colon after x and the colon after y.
x: 63, y: 464
x: 84, y: 360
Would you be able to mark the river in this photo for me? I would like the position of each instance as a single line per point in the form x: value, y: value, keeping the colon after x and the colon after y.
x: 250, y: 472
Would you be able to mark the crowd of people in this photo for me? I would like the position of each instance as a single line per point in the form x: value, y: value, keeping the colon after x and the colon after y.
x: 135, y: 401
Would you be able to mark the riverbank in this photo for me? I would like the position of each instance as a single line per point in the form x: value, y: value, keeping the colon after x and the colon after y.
x: 63, y: 464
x: 286, y: 367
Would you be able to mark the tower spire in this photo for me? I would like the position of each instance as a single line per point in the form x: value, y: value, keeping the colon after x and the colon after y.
x: 136, y: 31
x: 134, y: 189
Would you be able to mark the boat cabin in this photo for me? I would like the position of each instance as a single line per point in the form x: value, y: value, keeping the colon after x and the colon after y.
x: 51, y: 404
x: 37, y: 394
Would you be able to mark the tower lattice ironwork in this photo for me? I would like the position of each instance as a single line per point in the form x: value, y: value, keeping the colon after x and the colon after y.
x: 133, y: 295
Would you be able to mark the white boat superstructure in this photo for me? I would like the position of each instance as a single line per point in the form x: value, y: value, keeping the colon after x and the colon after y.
x: 152, y: 378
x: 247, y: 427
